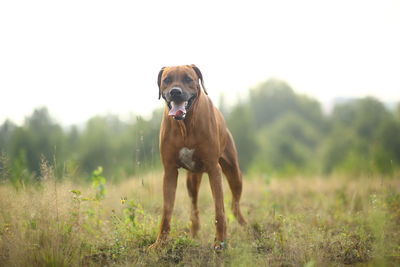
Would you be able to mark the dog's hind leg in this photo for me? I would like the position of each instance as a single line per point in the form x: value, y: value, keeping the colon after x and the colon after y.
x: 230, y: 167
x: 193, y: 181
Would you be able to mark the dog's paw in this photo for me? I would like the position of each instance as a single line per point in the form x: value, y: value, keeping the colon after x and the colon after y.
x: 220, y: 246
x: 156, y: 245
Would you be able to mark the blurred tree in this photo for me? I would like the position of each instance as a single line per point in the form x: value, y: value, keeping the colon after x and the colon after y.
x: 7, y: 130
x: 121, y: 148
x: 146, y: 141
x: 386, y: 149
x: 222, y: 105
x: 275, y: 131
x: 274, y: 98
x: 268, y: 101
x: 364, y: 138
x: 99, y: 144
x: 287, y: 146
x: 39, y: 137
x: 240, y: 123
x: 334, y: 149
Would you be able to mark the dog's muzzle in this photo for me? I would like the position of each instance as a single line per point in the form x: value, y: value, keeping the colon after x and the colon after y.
x: 179, y: 103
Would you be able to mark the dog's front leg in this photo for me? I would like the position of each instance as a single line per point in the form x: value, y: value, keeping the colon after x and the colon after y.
x: 169, y: 189
x: 215, y: 177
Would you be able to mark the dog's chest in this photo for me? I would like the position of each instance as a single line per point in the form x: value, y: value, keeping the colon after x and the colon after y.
x: 187, y: 160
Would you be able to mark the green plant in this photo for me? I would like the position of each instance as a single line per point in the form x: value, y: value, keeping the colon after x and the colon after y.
x: 99, y: 183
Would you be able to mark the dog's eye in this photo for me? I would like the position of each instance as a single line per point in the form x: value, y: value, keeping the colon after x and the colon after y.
x: 187, y: 79
x: 167, y: 80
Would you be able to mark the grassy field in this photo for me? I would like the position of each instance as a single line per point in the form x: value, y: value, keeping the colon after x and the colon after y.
x: 292, y: 222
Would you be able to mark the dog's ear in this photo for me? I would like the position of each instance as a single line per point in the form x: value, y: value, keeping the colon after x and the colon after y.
x: 159, y: 81
x: 198, y: 72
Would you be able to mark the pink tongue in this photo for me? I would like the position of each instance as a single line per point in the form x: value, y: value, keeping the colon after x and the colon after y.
x: 177, y: 110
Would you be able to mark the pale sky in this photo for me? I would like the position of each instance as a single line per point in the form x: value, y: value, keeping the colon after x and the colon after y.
x: 83, y: 58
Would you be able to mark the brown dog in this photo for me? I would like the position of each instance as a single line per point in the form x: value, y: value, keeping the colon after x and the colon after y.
x: 194, y: 136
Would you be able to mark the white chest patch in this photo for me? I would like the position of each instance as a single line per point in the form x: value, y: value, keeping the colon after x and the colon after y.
x: 186, y: 157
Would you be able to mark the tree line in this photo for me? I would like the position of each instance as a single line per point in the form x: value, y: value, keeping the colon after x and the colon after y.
x: 281, y: 132
x: 277, y: 132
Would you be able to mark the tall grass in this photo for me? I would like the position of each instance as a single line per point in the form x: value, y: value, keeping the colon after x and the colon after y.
x: 299, y: 221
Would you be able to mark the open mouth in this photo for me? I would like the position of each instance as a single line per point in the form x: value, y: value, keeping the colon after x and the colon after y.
x: 178, y: 110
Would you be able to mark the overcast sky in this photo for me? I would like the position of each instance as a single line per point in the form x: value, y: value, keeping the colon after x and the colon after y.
x: 82, y: 58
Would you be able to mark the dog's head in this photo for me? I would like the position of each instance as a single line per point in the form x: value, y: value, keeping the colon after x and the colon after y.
x: 179, y: 86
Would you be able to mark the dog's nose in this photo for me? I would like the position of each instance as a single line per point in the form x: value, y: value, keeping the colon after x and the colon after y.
x: 176, y: 91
